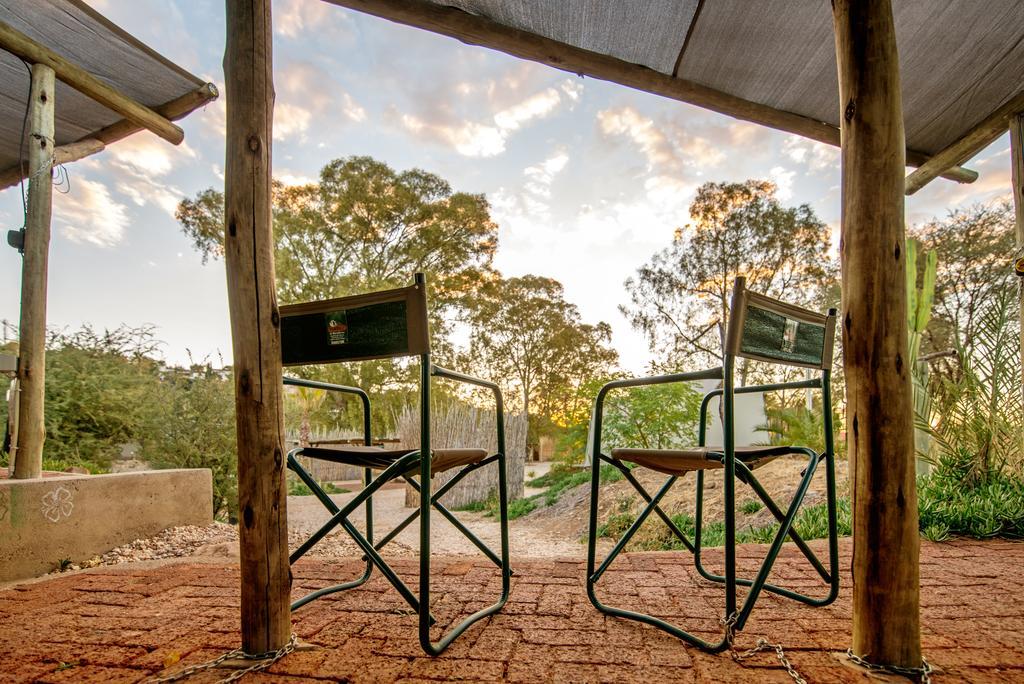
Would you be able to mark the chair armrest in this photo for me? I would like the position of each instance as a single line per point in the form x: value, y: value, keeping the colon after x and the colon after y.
x: 499, y: 402
x: 342, y: 389
x: 594, y: 433
x: 751, y: 389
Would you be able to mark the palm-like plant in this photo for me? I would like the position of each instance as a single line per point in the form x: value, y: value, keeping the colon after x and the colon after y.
x: 981, y: 417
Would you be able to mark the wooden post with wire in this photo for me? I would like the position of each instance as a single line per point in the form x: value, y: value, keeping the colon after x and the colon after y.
x: 879, y: 408
x: 28, y: 452
x: 1017, y: 176
x: 255, y: 328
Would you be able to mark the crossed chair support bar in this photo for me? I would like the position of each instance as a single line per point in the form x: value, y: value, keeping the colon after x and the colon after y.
x: 733, y: 469
x: 404, y: 468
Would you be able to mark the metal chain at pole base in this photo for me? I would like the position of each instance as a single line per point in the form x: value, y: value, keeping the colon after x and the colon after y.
x: 265, y: 660
x: 761, y: 645
x: 922, y: 674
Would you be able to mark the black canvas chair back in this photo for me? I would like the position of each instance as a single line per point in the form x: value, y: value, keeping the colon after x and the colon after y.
x: 761, y: 329
x: 379, y: 325
x: 383, y: 325
x: 766, y: 329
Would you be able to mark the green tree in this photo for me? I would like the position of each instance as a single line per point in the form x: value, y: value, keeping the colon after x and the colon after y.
x: 363, y: 227
x: 653, y: 417
x: 974, y: 245
x: 528, y: 337
x: 191, y: 424
x: 680, y: 299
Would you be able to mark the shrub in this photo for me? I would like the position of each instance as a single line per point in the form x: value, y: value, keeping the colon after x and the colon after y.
x: 193, y: 426
x: 993, y: 507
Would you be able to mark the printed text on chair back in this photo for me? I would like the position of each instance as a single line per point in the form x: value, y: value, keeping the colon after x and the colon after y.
x: 370, y: 326
x: 766, y: 329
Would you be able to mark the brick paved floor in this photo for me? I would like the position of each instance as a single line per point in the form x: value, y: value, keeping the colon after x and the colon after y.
x: 126, y: 624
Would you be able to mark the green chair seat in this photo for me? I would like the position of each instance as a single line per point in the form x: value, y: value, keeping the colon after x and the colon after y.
x: 380, y: 458
x: 682, y: 461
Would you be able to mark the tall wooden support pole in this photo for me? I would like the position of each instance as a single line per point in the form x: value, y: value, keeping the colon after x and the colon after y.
x: 879, y: 409
x: 255, y: 334
x: 1017, y: 174
x: 28, y: 454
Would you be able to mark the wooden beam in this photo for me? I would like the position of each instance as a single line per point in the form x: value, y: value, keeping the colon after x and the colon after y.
x: 65, y: 154
x: 97, y: 141
x: 20, y: 45
x: 1017, y: 176
x: 255, y: 331
x: 28, y: 453
x: 980, y: 137
x: 475, y: 30
x: 879, y: 408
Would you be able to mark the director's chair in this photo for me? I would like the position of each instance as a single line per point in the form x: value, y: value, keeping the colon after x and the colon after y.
x: 379, y: 325
x: 762, y: 329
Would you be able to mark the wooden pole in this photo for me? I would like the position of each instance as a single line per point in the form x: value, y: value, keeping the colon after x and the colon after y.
x: 20, y: 45
x: 28, y: 454
x: 1017, y: 175
x: 255, y: 333
x: 476, y: 30
x: 879, y: 408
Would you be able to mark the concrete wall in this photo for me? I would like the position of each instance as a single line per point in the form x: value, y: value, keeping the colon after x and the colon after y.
x: 80, y: 516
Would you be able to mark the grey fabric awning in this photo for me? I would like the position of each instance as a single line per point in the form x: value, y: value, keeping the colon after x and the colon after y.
x: 768, y: 61
x: 76, y: 32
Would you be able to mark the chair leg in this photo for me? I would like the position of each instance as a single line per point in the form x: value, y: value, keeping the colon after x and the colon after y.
x: 830, y: 576
x: 593, y: 574
x: 340, y: 517
x: 329, y: 504
x: 443, y: 510
x: 426, y: 503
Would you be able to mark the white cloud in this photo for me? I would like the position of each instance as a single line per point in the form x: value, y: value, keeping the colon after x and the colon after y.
x: 88, y: 214
x: 486, y: 139
x: 292, y: 18
x: 783, y: 180
x: 816, y: 156
x: 145, y: 154
x: 308, y: 95
x: 469, y: 139
x: 540, y: 176
x: 290, y: 120
x: 673, y: 155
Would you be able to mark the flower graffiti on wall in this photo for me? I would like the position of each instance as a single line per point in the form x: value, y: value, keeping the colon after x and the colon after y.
x: 58, y: 504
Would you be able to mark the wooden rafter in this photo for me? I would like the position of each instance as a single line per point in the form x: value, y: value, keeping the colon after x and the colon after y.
x: 98, y: 140
x: 20, y: 45
x: 980, y: 137
x: 475, y: 30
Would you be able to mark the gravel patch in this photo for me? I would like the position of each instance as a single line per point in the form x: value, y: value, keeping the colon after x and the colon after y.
x: 175, y: 542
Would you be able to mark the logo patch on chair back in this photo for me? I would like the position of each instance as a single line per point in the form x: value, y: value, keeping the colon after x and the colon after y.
x: 789, y: 336
x: 337, y: 327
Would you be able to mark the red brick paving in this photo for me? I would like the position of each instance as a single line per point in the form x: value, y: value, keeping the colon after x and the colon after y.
x: 126, y: 624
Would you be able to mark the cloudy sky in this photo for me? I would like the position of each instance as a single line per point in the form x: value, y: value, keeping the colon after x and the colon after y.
x: 586, y: 179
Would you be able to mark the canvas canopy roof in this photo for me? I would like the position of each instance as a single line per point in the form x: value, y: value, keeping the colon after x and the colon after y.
x: 76, y: 32
x: 769, y: 61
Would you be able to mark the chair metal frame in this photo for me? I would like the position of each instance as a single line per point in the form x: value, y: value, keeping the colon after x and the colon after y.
x: 735, y: 616
x: 404, y: 468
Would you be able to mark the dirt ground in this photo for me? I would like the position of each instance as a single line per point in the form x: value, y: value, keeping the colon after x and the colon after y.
x: 567, y: 519
x: 306, y: 514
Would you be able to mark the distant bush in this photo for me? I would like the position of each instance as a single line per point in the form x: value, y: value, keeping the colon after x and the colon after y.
x: 98, y: 395
x: 191, y: 424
